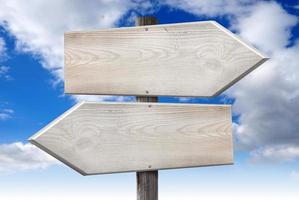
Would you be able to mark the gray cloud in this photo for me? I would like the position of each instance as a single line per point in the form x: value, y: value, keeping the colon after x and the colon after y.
x: 2, y: 48
x: 275, y: 154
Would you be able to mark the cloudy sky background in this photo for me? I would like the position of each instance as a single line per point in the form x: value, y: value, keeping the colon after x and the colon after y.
x: 265, y: 103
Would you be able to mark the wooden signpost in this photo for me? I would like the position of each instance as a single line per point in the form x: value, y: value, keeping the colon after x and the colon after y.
x: 188, y: 59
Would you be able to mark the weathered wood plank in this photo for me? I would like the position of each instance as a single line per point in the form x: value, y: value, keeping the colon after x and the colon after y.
x: 187, y: 59
x: 95, y: 138
x: 147, y: 185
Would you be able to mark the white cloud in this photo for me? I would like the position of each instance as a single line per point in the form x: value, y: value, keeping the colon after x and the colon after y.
x: 267, y: 26
x: 268, y: 102
x: 275, y: 154
x: 4, y: 73
x: 3, y: 55
x: 19, y: 157
x: 268, y: 98
x: 5, y: 114
x: 3, y: 70
x: 211, y: 8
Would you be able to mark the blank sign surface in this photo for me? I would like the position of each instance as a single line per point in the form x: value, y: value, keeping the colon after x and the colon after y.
x: 186, y: 59
x: 95, y: 138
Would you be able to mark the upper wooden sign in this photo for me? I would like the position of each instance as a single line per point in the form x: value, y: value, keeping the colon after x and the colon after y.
x: 187, y: 59
x: 96, y: 138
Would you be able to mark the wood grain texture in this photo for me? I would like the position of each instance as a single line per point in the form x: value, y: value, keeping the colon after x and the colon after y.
x: 95, y: 138
x: 147, y: 185
x: 187, y: 59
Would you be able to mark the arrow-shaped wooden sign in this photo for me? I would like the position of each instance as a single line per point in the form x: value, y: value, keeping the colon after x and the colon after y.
x: 186, y: 59
x: 95, y: 138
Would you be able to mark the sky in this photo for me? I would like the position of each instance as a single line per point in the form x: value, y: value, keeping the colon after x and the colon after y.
x: 265, y: 103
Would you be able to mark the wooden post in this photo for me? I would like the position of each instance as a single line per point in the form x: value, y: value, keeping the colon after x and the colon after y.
x: 147, y: 182
x: 147, y: 185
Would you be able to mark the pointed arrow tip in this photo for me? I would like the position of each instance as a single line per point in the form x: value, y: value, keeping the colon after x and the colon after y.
x: 33, y: 138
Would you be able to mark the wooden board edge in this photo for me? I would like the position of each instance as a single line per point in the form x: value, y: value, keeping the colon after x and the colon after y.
x: 55, y: 121
x: 153, y: 169
x: 134, y: 27
x: 213, y: 22
x: 240, y: 77
x: 263, y: 57
x: 48, y: 151
x: 33, y: 139
x: 239, y: 39
x: 156, y: 103
x: 66, y: 91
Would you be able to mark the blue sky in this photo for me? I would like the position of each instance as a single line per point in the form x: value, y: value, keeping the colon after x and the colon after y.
x: 265, y: 103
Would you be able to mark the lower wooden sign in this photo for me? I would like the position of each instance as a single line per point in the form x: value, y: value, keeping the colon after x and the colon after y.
x: 97, y: 138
